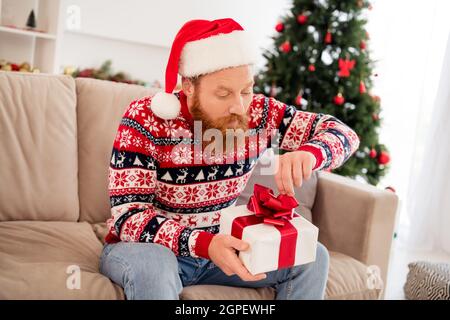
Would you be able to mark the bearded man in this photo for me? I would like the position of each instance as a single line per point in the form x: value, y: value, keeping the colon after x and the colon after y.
x: 167, y: 191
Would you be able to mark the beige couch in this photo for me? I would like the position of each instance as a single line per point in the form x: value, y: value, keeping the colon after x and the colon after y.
x: 56, y: 135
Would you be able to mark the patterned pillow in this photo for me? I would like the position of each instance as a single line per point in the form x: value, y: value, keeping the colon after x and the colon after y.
x: 428, y: 281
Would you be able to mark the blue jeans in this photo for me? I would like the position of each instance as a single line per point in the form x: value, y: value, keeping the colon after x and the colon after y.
x: 152, y: 272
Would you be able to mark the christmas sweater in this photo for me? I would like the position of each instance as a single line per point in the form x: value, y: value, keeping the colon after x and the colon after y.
x: 157, y: 192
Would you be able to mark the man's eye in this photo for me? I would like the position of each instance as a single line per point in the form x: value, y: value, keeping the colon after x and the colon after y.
x: 246, y: 93
x: 222, y: 95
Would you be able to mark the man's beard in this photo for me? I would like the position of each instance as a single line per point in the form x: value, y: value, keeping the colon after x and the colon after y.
x: 236, y: 125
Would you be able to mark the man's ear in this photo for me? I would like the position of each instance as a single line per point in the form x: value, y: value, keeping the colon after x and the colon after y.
x: 188, y: 86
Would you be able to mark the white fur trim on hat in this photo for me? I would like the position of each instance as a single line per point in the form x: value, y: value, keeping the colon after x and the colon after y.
x: 217, y: 52
x: 165, y: 105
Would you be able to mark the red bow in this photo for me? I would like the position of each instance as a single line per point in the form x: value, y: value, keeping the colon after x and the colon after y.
x: 276, y: 211
x: 273, y: 210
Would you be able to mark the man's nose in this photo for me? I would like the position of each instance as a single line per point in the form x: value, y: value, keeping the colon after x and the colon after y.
x: 238, y: 107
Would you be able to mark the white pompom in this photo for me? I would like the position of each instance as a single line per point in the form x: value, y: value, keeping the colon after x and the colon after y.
x: 165, y: 105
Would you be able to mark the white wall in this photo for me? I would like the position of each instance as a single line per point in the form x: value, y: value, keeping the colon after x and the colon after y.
x: 137, y: 34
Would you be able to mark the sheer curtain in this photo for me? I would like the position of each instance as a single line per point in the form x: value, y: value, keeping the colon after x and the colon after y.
x: 428, y: 205
x: 409, y: 40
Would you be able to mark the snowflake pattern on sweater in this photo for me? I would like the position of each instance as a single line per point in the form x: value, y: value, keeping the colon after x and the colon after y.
x: 159, y: 194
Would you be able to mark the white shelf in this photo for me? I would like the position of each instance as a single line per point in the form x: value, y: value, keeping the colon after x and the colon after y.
x: 29, y: 33
x: 20, y: 44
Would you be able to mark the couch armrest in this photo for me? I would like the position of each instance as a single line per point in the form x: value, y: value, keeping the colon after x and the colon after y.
x: 356, y: 219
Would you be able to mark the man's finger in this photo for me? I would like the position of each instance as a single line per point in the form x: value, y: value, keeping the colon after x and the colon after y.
x: 237, y: 266
x: 278, y: 178
x: 238, y: 244
x: 297, y: 173
x: 307, y: 168
x: 227, y: 271
x: 286, y: 174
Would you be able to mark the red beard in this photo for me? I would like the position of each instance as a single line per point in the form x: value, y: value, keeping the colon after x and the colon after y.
x: 234, y: 123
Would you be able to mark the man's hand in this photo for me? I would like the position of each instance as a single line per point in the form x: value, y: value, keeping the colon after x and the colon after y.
x: 222, y: 252
x: 292, y: 168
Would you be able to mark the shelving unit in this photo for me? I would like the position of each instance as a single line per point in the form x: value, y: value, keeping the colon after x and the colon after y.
x: 19, y: 44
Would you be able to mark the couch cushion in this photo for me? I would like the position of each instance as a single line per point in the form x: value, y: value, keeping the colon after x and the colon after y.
x: 38, y: 132
x: 347, y: 279
x: 264, y: 174
x: 216, y: 292
x: 101, y: 105
x: 36, y: 259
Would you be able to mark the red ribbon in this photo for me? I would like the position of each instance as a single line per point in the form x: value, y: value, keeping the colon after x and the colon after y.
x: 276, y: 211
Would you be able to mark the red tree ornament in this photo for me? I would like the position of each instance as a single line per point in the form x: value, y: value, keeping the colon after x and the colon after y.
x: 339, y: 99
x: 362, y: 87
x: 373, y: 153
x: 302, y: 19
x: 328, y: 37
x: 375, y: 117
x: 312, y: 68
x: 362, y: 45
x: 345, y: 66
x: 279, y: 27
x: 286, y: 47
x: 384, y: 158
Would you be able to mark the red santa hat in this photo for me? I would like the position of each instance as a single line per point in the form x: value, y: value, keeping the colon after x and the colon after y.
x: 202, y: 47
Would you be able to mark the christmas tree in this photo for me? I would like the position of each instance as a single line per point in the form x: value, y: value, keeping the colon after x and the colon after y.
x: 31, y: 20
x: 321, y: 63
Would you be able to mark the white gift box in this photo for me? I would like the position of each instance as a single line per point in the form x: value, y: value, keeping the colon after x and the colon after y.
x: 264, y: 240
